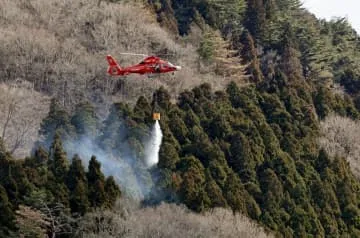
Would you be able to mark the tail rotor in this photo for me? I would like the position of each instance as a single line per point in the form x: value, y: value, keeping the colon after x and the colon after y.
x: 114, y: 68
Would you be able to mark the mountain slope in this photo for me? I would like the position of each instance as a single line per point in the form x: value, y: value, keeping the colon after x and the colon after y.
x: 252, y: 148
x: 57, y: 49
x: 60, y: 48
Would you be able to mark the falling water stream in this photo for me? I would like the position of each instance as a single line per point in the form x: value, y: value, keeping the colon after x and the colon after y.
x: 153, y: 147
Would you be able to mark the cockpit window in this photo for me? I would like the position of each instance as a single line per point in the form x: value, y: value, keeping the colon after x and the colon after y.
x: 170, y: 64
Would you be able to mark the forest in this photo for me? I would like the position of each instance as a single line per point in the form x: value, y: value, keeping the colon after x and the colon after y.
x: 260, y: 128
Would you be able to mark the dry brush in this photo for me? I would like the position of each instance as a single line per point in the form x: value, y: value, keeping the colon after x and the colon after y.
x: 168, y: 220
x: 21, y: 111
x: 340, y: 137
x: 60, y: 46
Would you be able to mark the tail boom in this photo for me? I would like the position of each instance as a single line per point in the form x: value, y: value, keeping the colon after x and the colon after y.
x: 114, y: 68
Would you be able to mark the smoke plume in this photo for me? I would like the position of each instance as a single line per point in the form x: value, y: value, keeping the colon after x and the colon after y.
x: 130, y: 171
x: 122, y: 168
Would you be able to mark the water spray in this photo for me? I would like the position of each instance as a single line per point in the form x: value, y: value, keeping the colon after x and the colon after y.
x: 153, y: 147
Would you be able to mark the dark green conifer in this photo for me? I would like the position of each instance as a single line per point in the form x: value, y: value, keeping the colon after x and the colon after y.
x: 273, y: 189
x: 7, y: 218
x: 234, y: 94
x: 41, y: 156
x: 79, y: 202
x: 219, y: 127
x: 235, y: 193
x: 77, y: 185
x: 112, y: 191
x: 178, y: 129
x: 249, y: 55
x: 11, y: 187
x: 213, y: 191
x: 242, y: 160
x: 85, y: 120
x: 192, y: 190
x: 168, y: 156
x: 255, y: 17
x: 290, y: 63
x: 191, y: 119
x: 142, y: 110
x: 96, y: 184
x: 161, y: 98
x: 58, y: 165
x: 58, y: 162
x: 2, y: 149
x: 57, y: 121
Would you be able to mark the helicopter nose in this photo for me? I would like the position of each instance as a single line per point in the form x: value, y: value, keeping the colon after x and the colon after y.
x: 178, y: 67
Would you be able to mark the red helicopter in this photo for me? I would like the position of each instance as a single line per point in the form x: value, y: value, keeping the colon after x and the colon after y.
x: 149, y: 65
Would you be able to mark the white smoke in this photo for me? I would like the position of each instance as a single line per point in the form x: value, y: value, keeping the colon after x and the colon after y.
x: 131, y: 173
x: 153, y: 146
x: 111, y: 164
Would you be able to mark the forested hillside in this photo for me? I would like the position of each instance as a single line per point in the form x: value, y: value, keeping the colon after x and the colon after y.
x: 262, y: 120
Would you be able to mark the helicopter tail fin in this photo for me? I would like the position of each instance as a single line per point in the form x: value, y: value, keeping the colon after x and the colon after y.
x: 114, y: 68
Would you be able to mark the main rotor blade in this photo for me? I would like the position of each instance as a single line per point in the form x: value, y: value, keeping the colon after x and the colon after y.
x: 132, y: 54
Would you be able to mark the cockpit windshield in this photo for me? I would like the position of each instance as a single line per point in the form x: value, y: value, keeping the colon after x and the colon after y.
x: 170, y: 64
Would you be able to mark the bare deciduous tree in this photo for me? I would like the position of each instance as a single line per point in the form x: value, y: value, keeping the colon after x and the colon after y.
x: 340, y: 137
x: 21, y: 111
x: 61, y: 49
x: 53, y: 217
x: 167, y: 220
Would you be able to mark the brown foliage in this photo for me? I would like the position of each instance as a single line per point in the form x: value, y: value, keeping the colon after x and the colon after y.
x: 21, y: 111
x: 168, y: 220
x: 340, y: 137
x: 60, y: 47
x: 31, y: 222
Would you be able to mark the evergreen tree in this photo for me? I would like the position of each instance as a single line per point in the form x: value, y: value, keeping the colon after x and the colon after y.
x: 235, y: 193
x: 184, y: 12
x: 57, y: 190
x: 273, y: 189
x: 58, y: 162
x: 77, y: 185
x: 288, y: 4
x: 161, y: 99
x: 11, y: 187
x: 214, y: 191
x: 79, y: 202
x: 84, y: 120
x: 219, y: 127
x: 2, y: 149
x: 191, y: 119
x: 142, y: 110
x: 255, y: 18
x: 96, y: 184
x: 114, y: 131
x: 168, y: 156
x: 227, y: 14
x: 249, y: 54
x: 242, y: 160
x: 112, y: 191
x: 41, y: 156
x: 58, y: 165
x: 57, y: 121
x: 215, y: 50
x: 7, y: 218
x: 192, y: 190
x: 179, y: 129
x: 290, y: 64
